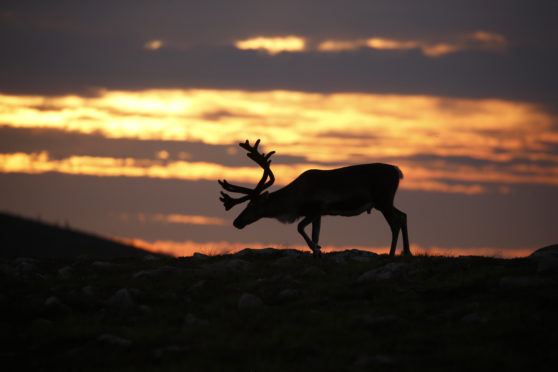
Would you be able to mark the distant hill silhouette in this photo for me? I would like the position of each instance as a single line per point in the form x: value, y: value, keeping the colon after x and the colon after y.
x: 31, y: 238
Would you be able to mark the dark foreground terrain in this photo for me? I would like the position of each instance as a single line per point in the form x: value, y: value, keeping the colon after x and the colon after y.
x: 33, y: 238
x: 274, y: 310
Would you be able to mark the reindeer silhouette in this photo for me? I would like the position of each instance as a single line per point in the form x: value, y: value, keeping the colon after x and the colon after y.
x: 347, y: 191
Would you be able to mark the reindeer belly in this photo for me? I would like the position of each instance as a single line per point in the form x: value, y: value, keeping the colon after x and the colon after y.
x: 349, y: 207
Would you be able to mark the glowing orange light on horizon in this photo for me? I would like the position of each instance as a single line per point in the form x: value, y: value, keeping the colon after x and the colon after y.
x: 188, y: 248
x: 190, y: 219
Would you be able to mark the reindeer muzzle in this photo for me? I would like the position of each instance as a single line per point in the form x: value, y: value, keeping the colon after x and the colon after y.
x: 239, y: 225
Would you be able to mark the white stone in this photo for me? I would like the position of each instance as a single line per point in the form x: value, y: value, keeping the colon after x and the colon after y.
x: 113, y: 340
x: 248, y: 301
x: 122, y: 298
x: 66, y: 272
x: 381, y: 273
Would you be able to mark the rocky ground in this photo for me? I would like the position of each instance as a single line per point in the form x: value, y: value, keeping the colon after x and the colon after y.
x: 280, y: 310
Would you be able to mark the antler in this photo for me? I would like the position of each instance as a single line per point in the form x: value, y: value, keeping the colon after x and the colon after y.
x: 229, y: 202
x: 263, y: 161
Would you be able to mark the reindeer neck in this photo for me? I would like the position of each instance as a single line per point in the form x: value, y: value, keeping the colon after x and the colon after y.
x: 280, y: 206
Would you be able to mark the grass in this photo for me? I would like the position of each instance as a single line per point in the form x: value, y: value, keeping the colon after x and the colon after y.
x: 433, y: 313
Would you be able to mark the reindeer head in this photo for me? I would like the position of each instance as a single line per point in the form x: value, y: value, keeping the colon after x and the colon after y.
x: 254, y: 209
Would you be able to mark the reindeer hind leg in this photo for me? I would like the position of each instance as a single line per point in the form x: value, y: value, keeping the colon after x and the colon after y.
x: 404, y: 232
x: 394, y: 220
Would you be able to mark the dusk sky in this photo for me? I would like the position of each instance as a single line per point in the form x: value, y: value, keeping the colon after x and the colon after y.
x: 118, y: 117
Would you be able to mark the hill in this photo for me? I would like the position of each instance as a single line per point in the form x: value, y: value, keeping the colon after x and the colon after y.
x: 30, y: 238
x: 280, y: 310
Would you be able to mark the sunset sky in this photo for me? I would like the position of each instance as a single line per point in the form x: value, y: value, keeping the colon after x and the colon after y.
x: 118, y: 117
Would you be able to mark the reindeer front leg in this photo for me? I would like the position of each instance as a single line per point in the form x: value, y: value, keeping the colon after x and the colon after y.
x: 312, y: 243
x: 316, y: 230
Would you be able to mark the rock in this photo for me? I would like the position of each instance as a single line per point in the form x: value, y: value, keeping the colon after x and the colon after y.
x: 43, y: 324
x: 368, y: 321
x: 27, y: 267
x: 20, y: 260
x: 381, y: 273
x: 89, y: 290
x: 547, y: 265
x: 8, y: 270
x: 338, y: 258
x: 200, y: 256
x: 246, y: 252
x: 286, y: 260
x: 360, y: 258
x: 248, y: 301
x: 41, y: 276
x: 546, y: 259
x: 517, y: 282
x: 53, y: 301
x: 106, y: 266
x: 288, y: 294
x: 54, y: 306
x: 155, y: 273
x: 474, y: 318
x: 289, y: 256
x: 229, y: 264
x: 236, y: 264
x: 151, y: 273
x: 294, y: 253
x: 193, y: 320
x: 168, y: 297
x: 66, y: 272
x: 549, y: 251
x: 122, y: 299
x: 360, y: 255
x: 197, y: 287
x: 150, y: 258
x: 313, y: 271
x: 365, y: 361
x: 113, y: 340
x: 351, y: 255
x: 169, y: 352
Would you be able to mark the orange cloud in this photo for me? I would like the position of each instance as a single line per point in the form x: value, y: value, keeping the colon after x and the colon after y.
x: 337, y: 129
x: 395, y: 125
x: 416, y: 178
x: 479, y: 40
x: 273, y: 45
x: 153, y: 45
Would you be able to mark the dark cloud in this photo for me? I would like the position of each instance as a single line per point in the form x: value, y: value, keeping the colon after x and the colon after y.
x: 75, y: 48
x: 217, y: 21
x: 60, y: 144
x: 78, y: 66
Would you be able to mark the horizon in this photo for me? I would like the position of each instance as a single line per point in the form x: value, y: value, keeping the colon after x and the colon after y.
x: 119, y: 119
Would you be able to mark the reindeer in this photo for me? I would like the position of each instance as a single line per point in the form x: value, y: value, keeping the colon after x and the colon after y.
x: 347, y: 191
